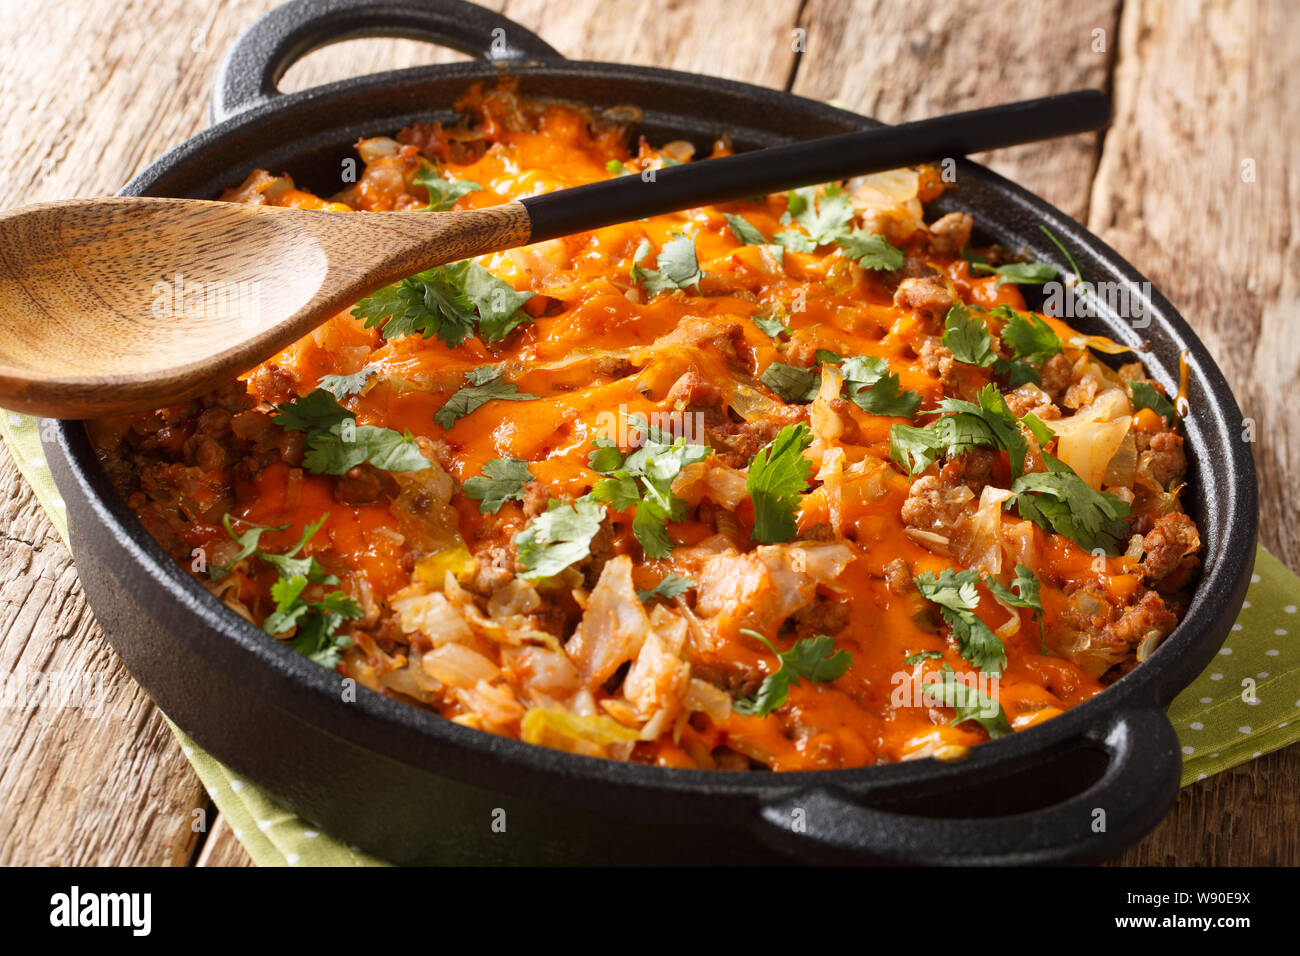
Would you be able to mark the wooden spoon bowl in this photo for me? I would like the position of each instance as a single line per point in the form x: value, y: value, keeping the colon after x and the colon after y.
x: 130, y: 303
x: 186, y: 294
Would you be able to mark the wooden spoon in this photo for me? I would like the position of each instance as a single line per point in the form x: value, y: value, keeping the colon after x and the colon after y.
x: 132, y: 303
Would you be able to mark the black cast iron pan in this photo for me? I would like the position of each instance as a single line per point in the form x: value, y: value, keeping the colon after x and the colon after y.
x: 411, y: 787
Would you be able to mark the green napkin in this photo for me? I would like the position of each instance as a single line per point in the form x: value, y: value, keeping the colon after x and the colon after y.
x: 1247, y: 703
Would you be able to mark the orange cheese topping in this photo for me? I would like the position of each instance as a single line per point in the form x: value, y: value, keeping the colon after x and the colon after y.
x: 598, y: 346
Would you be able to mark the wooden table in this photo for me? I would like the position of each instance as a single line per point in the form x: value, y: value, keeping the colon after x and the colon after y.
x: 1203, y: 90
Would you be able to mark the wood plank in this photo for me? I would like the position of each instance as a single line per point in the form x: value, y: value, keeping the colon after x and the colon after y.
x: 222, y: 849
x: 1246, y: 816
x: 97, y: 784
x: 736, y: 39
x: 1201, y: 88
x: 113, y: 789
x: 902, y: 61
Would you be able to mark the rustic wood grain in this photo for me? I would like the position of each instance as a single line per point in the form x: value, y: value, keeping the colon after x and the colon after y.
x: 903, y: 61
x: 1199, y: 87
x: 221, y: 848
x: 94, y: 785
x: 95, y: 89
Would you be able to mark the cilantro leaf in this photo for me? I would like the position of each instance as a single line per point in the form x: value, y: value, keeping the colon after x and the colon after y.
x: 748, y: 234
x: 341, y: 386
x: 667, y: 589
x: 966, y: 425
x: 871, y: 251
x: 317, y: 637
x: 336, y: 444
x: 1062, y: 502
x: 1032, y: 343
x: 288, y: 563
x: 558, y: 537
x: 443, y: 193
x: 968, y: 338
x: 866, y: 379
x: 876, y: 390
x: 484, y: 385
x: 824, y: 214
x: 502, y: 480
x: 1029, y: 337
x: 956, y: 594
x: 316, y: 622
x: 248, y: 542
x: 448, y: 301
x: 912, y: 659
x: 338, y: 451
x: 643, y: 478
x: 915, y: 449
x: 771, y: 326
x: 317, y: 410
x: 999, y: 421
x: 813, y: 659
x: 431, y: 303
x: 1026, y: 586
x: 949, y: 690
x: 1146, y: 395
x: 792, y: 383
x: 1018, y: 273
x: 795, y: 241
x: 1026, y: 596
x: 777, y: 477
x: 744, y: 230
x: 677, y: 266
x: 499, y: 305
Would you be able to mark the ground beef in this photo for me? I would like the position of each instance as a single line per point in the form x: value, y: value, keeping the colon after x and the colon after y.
x: 210, y: 447
x: 1056, y: 376
x: 602, y: 549
x: 932, y: 296
x: 1174, y: 537
x: 1168, y: 461
x: 934, y: 504
x: 1029, y: 398
x: 974, y: 469
x: 537, y: 496
x: 823, y: 616
x: 365, y: 485
x: 898, y: 576
x: 950, y: 234
x: 693, y: 392
x: 735, y: 444
x: 494, y: 566
x: 1136, y: 622
x: 936, y: 358
x: 731, y: 343
x: 273, y: 384
x: 1082, y: 392
x: 820, y: 531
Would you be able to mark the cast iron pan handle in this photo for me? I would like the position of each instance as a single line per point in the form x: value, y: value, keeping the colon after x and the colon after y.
x: 249, y: 74
x: 1140, y: 780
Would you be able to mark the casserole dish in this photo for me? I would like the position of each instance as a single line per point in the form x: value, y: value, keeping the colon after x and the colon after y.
x: 413, y: 788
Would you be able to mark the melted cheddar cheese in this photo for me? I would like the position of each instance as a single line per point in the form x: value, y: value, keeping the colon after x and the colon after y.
x: 575, y: 660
